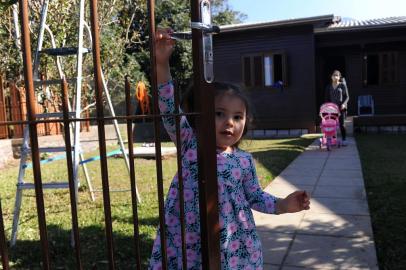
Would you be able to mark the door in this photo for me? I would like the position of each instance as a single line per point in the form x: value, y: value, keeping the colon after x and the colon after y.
x: 327, y: 64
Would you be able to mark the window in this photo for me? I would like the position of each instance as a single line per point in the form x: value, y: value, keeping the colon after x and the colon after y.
x: 389, y: 64
x: 257, y: 68
x: 381, y: 68
x: 268, y: 65
x: 267, y: 70
x: 247, y: 70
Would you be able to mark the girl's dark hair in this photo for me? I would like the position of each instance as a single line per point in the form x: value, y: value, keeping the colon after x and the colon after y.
x: 220, y: 88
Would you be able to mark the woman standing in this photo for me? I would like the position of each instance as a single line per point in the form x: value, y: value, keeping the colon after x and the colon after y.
x: 337, y: 92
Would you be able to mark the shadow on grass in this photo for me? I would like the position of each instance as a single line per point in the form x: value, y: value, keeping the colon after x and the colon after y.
x: 27, y: 254
x: 280, y: 154
x: 298, y: 141
x: 276, y: 160
x: 152, y: 222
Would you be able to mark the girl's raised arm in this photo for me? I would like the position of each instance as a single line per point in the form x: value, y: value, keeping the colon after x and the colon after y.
x: 163, y: 50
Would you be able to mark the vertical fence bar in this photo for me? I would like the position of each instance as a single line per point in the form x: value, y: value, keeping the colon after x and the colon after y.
x: 180, y: 179
x: 130, y: 110
x: 102, y: 136
x: 158, y: 156
x: 208, y: 192
x: 29, y: 85
x: 69, y: 160
x: 3, y: 245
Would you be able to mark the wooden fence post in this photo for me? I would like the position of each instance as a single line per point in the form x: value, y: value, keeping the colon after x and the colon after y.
x: 3, y: 118
x: 54, y: 107
x: 85, y: 125
x: 41, y: 130
x: 16, y: 110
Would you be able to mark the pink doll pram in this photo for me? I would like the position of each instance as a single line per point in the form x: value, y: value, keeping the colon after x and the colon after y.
x: 329, y: 113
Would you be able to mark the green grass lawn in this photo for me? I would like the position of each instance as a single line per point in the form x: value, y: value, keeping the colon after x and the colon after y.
x: 383, y: 160
x: 272, y: 156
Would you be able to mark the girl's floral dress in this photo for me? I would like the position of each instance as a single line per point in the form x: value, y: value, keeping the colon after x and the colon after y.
x: 238, y: 191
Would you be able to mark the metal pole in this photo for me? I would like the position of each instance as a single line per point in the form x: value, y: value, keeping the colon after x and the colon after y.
x: 208, y: 192
x: 180, y: 179
x: 130, y: 111
x: 158, y: 156
x: 101, y: 131
x: 3, y: 245
x: 29, y: 85
x: 78, y: 96
x: 44, y: 12
x: 17, y: 35
x: 69, y: 161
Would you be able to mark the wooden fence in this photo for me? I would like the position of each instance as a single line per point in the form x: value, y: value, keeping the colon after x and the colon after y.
x: 3, y: 115
x: 13, y: 107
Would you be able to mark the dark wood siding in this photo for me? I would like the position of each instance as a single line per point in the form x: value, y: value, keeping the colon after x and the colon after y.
x: 293, y: 106
x: 296, y: 106
x: 390, y: 99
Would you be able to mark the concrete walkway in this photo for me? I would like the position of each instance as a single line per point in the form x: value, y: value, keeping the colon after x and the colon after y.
x: 336, y: 232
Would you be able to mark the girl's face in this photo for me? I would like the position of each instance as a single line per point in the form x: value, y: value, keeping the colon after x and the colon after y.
x: 335, y: 77
x: 230, y: 121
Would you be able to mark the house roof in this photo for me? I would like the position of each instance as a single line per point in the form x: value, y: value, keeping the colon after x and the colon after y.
x: 325, y: 19
x: 353, y: 25
x: 323, y: 24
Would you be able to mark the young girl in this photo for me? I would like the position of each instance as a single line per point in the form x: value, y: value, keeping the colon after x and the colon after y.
x: 238, y: 186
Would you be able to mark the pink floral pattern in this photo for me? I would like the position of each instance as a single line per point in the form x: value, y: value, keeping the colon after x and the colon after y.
x: 238, y: 189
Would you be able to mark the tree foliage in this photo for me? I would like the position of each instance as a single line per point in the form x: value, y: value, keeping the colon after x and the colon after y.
x: 124, y: 37
x: 9, y: 56
x: 176, y: 15
x: 4, y: 4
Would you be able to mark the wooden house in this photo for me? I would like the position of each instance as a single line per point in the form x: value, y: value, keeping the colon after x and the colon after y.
x: 284, y: 66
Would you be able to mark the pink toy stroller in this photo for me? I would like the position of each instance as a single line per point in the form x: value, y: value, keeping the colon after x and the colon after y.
x: 329, y: 113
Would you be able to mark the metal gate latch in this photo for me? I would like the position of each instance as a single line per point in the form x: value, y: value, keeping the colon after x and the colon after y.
x: 207, y: 40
